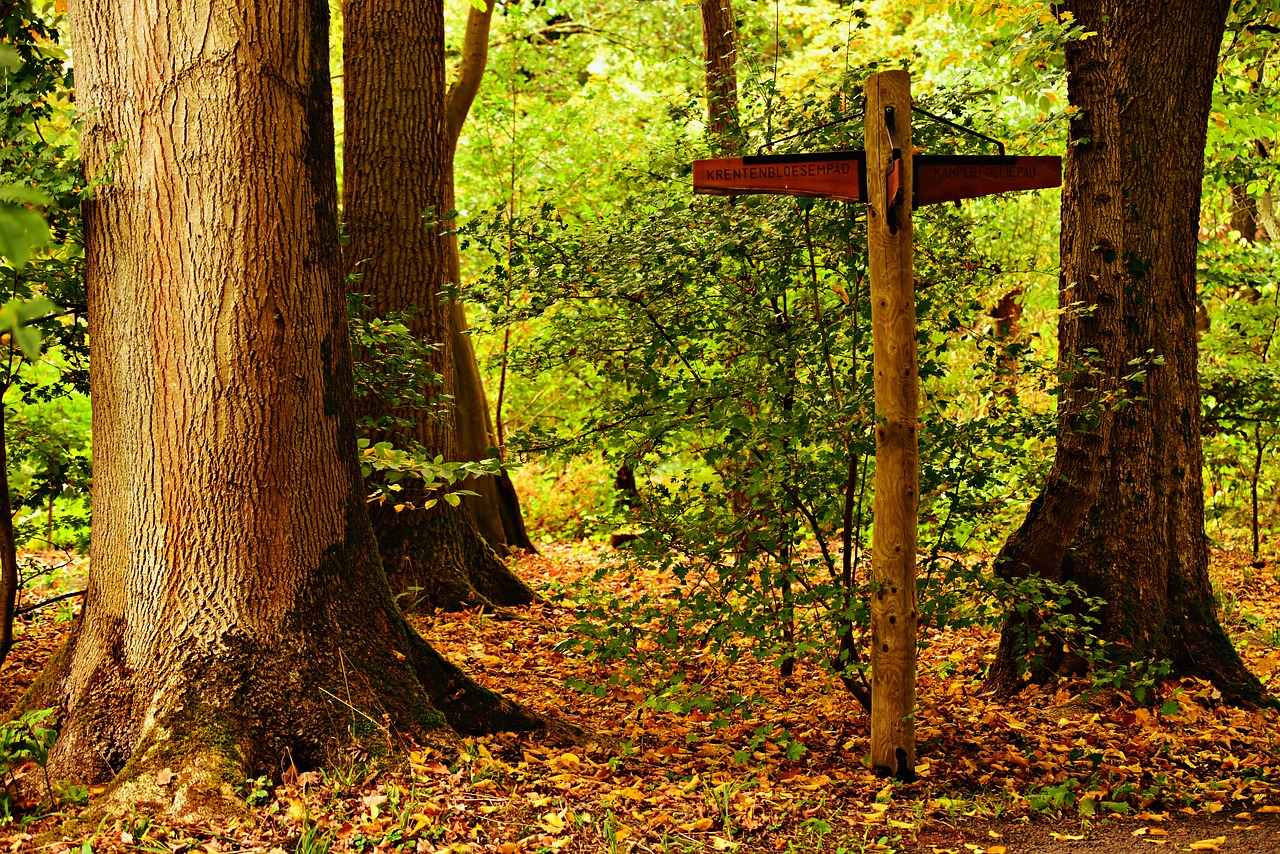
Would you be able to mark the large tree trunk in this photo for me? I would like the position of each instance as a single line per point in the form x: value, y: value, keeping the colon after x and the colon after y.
x: 1122, y: 514
x: 236, y: 613
x: 396, y: 181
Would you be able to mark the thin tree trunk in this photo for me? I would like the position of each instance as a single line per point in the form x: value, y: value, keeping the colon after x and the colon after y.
x: 236, y: 610
x: 1008, y: 319
x: 396, y: 188
x: 497, y: 507
x: 8, y: 550
x: 1122, y: 513
x: 720, y: 53
x: 1244, y: 213
x: 1259, y: 449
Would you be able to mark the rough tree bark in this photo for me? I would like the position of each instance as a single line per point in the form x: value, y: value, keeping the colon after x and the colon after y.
x: 720, y: 53
x: 395, y: 191
x: 236, y: 612
x: 1122, y: 513
x: 496, y: 508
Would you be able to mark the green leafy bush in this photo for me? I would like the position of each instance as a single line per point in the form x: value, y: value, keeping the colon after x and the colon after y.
x: 729, y: 345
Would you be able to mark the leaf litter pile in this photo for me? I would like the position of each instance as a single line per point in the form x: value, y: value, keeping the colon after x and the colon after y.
x: 1066, y: 768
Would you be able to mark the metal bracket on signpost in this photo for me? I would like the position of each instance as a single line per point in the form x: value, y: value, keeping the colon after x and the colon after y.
x: 893, y: 185
x: 893, y: 133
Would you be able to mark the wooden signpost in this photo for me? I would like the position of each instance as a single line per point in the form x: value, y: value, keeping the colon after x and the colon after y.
x: 891, y: 181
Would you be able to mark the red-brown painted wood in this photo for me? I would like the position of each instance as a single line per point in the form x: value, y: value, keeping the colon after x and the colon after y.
x: 943, y: 178
x: 841, y: 175
x: 830, y: 175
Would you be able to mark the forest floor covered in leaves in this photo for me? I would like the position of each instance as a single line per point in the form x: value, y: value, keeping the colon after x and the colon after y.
x: 1051, y: 770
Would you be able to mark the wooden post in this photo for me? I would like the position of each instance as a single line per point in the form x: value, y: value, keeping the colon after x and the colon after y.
x: 893, y: 326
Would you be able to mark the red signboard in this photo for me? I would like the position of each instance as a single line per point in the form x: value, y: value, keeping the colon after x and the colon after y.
x: 943, y: 178
x: 841, y: 175
x: 835, y: 175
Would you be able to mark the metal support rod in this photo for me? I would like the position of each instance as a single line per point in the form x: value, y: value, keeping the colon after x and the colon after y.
x: 959, y: 127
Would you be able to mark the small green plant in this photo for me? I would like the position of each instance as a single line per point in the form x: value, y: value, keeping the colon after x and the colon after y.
x: 71, y: 794
x: 25, y: 739
x: 609, y: 830
x: 628, y: 748
x: 1138, y: 677
x: 314, y: 840
x: 817, y: 829
x: 720, y: 797
x: 255, y: 792
x: 343, y: 780
x: 1053, y: 797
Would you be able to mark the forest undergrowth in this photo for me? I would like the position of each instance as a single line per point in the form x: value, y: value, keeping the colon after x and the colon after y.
x: 1047, y: 770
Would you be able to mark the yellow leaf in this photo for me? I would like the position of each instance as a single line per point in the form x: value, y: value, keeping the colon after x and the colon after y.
x: 722, y: 844
x: 1269, y: 808
x: 1214, y: 844
x: 567, y: 760
x: 297, y: 810
x: 816, y: 783
x: 553, y: 823
x: 419, y: 821
x: 1066, y: 837
x: 996, y: 849
x: 631, y: 793
x: 702, y: 824
x: 905, y: 825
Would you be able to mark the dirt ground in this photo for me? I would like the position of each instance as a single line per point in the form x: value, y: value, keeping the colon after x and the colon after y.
x: 1256, y: 835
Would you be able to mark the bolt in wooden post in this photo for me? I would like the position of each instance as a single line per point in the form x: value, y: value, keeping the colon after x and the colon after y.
x: 893, y: 326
